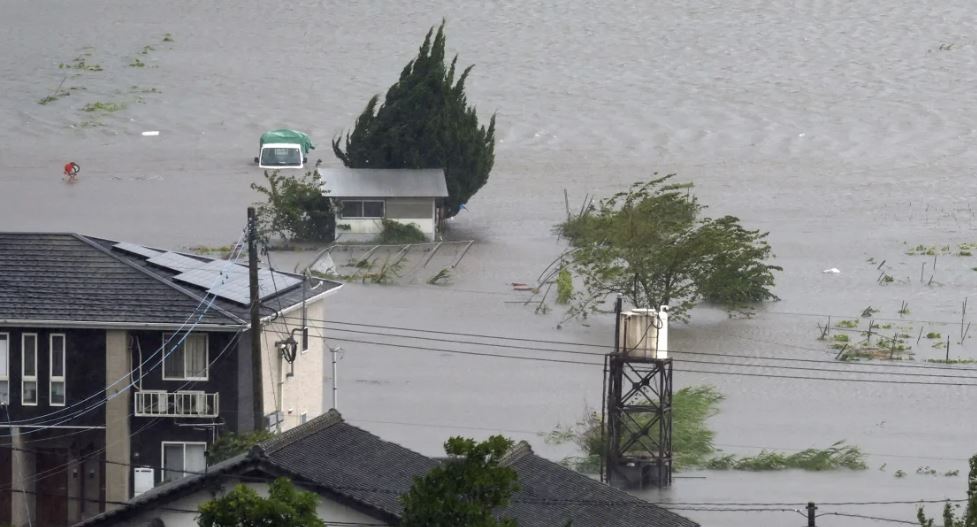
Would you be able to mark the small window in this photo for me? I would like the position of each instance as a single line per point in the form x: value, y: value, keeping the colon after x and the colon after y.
x: 362, y: 209
x: 57, y: 387
x: 183, y: 459
x: 187, y: 359
x: 4, y: 368
x: 28, y: 393
x: 372, y: 209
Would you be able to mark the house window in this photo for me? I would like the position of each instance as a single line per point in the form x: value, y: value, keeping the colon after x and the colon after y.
x: 4, y: 368
x: 362, y: 209
x: 303, y: 418
x: 183, y: 459
x: 57, y: 369
x: 28, y: 365
x: 187, y: 358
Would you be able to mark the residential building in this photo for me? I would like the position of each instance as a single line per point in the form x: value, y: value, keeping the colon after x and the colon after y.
x: 366, y: 197
x: 120, y: 363
x: 359, y: 479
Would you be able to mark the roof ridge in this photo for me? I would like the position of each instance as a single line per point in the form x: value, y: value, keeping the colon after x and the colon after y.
x: 516, y: 452
x: 156, y: 277
x: 280, y: 441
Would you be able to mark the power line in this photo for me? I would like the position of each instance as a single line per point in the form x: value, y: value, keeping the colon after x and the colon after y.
x: 593, y: 354
x: 690, y: 370
x: 608, y: 347
x: 866, y: 517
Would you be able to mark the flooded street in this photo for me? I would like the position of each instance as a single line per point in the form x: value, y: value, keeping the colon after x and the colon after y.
x: 845, y: 130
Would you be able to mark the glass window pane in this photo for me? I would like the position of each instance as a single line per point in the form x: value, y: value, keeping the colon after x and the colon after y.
x: 30, y: 355
x: 57, y: 392
x: 5, y: 392
x: 30, y: 392
x: 172, y: 461
x: 196, y: 356
x: 173, y: 363
x: 57, y: 356
x: 196, y: 459
x: 372, y: 209
x: 352, y: 209
x: 4, y: 358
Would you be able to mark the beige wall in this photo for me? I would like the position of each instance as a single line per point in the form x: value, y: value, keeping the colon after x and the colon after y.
x: 173, y: 515
x: 419, y: 211
x: 117, y: 366
x: 303, y: 391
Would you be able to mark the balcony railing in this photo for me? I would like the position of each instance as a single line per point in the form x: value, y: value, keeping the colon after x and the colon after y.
x: 177, y: 404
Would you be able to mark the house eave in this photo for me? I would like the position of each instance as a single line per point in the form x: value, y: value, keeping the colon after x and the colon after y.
x: 95, y: 324
x: 298, y: 305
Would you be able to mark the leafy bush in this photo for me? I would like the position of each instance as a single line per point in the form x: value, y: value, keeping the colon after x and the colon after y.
x: 398, y: 233
x: 564, y: 286
x: 296, y: 208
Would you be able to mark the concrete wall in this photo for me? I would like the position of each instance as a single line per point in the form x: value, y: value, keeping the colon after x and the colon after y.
x: 117, y: 448
x: 303, y: 390
x: 174, y: 515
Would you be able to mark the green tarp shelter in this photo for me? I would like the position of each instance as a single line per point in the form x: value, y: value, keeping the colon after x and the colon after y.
x: 284, y: 135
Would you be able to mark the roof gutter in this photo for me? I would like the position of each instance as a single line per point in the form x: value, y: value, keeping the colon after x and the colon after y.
x: 94, y: 324
x: 297, y: 305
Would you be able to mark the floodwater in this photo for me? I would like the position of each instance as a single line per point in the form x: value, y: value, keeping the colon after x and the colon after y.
x: 844, y: 129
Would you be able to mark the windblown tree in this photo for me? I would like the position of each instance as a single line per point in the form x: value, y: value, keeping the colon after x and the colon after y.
x: 653, y: 245
x: 465, y: 490
x: 425, y: 122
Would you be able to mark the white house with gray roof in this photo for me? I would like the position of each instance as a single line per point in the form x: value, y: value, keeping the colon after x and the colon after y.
x: 365, y: 197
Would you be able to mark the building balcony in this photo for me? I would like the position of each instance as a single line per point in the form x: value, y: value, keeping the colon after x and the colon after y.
x: 177, y: 404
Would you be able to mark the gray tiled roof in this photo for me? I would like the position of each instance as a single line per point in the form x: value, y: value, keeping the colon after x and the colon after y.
x: 552, y: 494
x: 383, y: 183
x: 69, y: 279
x: 370, y: 474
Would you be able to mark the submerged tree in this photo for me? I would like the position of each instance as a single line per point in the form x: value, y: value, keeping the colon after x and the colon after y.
x: 652, y: 245
x: 950, y: 519
x: 425, y: 122
x: 296, y: 207
x: 464, y: 490
x: 285, y: 506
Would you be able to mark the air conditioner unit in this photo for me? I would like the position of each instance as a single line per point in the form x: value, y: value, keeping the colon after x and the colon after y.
x: 143, y: 479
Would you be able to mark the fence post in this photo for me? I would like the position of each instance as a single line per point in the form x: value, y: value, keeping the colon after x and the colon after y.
x: 811, y: 507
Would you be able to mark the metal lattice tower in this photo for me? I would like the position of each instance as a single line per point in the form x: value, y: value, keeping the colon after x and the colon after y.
x: 638, y: 417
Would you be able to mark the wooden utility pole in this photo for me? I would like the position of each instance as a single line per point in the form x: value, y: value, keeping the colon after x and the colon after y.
x: 256, y: 386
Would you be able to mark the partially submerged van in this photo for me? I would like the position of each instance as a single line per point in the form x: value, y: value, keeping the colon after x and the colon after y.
x: 283, y: 148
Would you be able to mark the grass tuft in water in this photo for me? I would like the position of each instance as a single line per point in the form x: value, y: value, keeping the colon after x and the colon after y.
x: 99, y: 106
x: 837, y: 456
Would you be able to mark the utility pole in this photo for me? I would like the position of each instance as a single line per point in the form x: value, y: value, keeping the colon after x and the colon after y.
x: 256, y: 377
x: 811, y: 507
x: 335, y: 378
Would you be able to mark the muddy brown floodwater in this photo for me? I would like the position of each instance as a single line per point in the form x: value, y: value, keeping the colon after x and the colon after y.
x: 846, y: 130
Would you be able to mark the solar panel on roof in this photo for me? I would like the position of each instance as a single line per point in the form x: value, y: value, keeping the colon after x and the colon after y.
x: 231, y: 282
x: 175, y: 262
x: 138, y: 250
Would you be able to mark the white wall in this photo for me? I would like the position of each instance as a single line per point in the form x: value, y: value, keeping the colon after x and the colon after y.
x: 304, y: 391
x: 327, y: 510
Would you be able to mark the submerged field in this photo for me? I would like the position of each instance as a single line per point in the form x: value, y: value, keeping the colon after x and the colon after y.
x: 846, y: 130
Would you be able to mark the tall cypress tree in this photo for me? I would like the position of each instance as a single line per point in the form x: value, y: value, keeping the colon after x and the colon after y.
x: 425, y: 122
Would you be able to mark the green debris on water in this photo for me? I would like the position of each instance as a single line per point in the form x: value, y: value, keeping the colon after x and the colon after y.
x: 99, y: 106
x: 167, y: 37
x: 136, y: 63
x: 848, y: 324
x: 837, y: 456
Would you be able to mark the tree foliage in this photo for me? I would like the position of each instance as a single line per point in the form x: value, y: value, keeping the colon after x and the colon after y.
x: 950, y: 519
x: 285, y: 506
x: 425, y: 122
x: 296, y: 208
x: 463, y: 491
x: 652, y: 245
x: 232, y: 444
